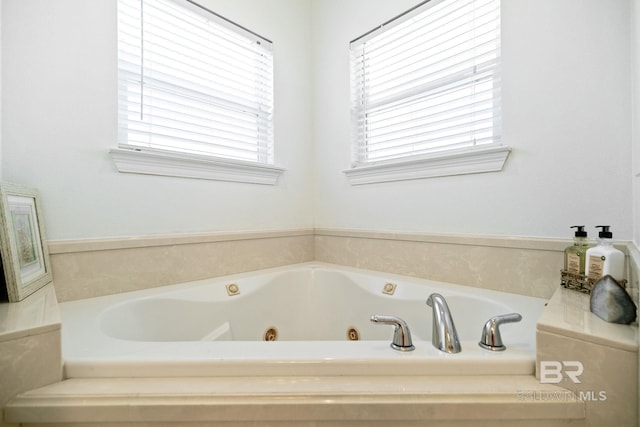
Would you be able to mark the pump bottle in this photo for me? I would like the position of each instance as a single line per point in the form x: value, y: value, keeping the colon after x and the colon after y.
x: 575, y: 256
x: 603, y: 258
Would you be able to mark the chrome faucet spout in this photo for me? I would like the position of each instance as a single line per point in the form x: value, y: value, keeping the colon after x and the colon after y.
x: 444, y: 335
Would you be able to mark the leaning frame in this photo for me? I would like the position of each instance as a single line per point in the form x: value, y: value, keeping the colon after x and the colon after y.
x: 23, y: 249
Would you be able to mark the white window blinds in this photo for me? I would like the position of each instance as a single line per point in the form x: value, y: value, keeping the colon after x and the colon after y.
x: 427, y: 81
x: 192, y: 82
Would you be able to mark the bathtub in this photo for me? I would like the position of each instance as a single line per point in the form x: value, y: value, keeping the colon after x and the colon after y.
x: 308, y: 319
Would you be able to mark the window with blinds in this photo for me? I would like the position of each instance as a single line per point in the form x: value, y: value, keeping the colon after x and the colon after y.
x: 427, y: 82
x: 193, y: 83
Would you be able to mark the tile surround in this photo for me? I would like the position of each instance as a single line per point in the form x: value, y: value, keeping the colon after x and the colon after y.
x: 520, y: 265
x: 87, y: 268
x: 83, y: 269
x: 568, y: 331
x: 608, y: 370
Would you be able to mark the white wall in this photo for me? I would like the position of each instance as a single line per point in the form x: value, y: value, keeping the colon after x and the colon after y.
x: 635, y: 54
x: 0, y: 89
x: 59, y: 122
x: 566, y: 114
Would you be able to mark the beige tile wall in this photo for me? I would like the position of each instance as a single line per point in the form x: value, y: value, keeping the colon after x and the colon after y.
x: 88, y: 268
x: 520, y: 265
x: 28, y: 362
x: 83, y: 269
x: 609, y: 382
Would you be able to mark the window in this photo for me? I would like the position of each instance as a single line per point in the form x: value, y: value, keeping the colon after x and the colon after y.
x: 195, y: 93
x: 426, y: 93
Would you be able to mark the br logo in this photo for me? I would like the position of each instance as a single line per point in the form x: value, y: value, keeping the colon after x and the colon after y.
x: 551, y: 371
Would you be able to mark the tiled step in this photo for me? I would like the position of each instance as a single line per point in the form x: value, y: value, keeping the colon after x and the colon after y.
x: 503, y: 399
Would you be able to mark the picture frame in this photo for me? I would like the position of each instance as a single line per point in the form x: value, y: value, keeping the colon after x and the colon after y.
x: 23, y: 249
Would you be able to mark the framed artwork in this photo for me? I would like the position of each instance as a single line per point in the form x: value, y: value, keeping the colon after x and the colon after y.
x: 25, y: 258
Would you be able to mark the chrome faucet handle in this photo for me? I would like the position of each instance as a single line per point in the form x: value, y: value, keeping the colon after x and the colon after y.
x: 401, y: 335
x: 491, y: 338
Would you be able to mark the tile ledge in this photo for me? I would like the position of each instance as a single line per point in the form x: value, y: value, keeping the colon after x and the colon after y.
x: 568, y: 314
x: 36, y: 314
x: 539, y: 243
x: 115, y: 243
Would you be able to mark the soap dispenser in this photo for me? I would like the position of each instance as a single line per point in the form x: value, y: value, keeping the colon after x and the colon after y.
x: 603, y: 258
x: 575, y: 255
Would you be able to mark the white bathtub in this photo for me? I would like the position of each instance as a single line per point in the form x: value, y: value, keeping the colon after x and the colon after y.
x: 203, y: 328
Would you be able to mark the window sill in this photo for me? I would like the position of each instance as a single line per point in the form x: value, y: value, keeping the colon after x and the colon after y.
x: 490, y: 158
x: 198, y: 167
